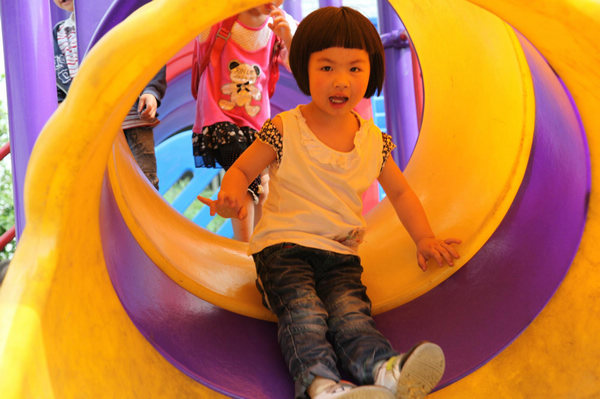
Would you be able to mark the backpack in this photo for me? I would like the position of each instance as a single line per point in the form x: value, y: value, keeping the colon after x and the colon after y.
x: 219, y: 34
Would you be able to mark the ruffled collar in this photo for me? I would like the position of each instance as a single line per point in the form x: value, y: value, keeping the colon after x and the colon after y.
x: 326, y: 155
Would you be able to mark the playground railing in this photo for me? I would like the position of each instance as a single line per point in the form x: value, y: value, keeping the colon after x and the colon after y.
x: 9, y: 234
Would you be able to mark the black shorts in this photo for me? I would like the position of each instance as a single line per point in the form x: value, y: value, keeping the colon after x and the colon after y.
x: 220, y: 145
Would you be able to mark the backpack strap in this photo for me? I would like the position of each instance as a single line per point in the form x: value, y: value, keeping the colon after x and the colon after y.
x: 219, y: 35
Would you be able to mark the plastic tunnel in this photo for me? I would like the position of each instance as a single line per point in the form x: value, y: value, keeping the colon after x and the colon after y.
x: 112, y: 293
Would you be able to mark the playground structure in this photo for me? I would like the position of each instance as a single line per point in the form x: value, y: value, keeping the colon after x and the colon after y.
x: 111, y: 292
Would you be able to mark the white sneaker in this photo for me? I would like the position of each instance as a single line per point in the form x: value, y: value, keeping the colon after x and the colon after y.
x: 414, y: 374
x: 347, y: 390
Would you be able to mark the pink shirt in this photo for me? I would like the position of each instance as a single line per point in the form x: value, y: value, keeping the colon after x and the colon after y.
x: 237, y: 89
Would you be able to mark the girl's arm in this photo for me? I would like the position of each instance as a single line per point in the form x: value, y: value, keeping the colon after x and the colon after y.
x: 233, y: 192
x: 410, y: 211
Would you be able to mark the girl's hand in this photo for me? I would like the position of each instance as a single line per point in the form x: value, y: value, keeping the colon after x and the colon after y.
x: 225, y: 207
x: 281, y: 27
x: 440, y: 250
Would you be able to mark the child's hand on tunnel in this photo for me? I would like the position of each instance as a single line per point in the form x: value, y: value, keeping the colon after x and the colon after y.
x: 441, y: 251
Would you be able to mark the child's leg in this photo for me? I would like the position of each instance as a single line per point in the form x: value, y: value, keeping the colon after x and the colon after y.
x: 264, y: 192
x: 362, y: 350
x: 141, y: 144
x: 287, y: 279
x: 242, y: 229
x: 358, y: 344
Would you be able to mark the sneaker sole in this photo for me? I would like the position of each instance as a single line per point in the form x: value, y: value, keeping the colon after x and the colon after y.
x: 421, y: 371
x: 368, y: 392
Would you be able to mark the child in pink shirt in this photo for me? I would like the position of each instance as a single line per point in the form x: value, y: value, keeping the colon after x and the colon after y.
x: 233, y: 97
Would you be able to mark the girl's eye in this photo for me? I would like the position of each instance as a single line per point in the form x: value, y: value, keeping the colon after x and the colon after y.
x: 326, y: 68
x: 355, y: 69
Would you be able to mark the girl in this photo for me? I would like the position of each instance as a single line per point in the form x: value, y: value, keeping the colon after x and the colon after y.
x: 232, y: 101
x: 322, y: 156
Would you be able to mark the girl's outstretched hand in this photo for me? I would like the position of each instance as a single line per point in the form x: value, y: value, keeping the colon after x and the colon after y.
x: 225, y: 208
x: 440, y: 250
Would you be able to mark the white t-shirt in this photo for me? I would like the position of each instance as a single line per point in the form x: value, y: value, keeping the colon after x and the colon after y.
x: 315, y: 192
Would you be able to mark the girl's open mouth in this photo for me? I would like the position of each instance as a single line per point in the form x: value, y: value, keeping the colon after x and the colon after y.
x: 338, y: 99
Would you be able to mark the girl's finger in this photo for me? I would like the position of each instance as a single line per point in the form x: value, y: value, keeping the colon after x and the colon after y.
x: 438, y: 258
x: 205, y: 201
x: 210, y: 203
x: 422, y: 262
x: 453, y: 252
x: 452, y: 241
x: 448, y: 258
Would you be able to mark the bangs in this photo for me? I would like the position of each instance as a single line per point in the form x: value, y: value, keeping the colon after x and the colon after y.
x: 343, y: 29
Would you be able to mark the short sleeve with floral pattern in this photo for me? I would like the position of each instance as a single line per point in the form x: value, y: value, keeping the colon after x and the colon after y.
x: 388, y: 147
x: 271, y: 136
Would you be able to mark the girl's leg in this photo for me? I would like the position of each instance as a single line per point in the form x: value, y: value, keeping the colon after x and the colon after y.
x: 286, y: 278
x: 257, y: 193
x: 357, y: 343
x: 264, y: 182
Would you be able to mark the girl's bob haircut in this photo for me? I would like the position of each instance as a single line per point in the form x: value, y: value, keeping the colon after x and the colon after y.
x: 336, y: 27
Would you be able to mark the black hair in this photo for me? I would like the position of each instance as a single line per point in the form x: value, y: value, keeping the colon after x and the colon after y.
x: 336, y: 27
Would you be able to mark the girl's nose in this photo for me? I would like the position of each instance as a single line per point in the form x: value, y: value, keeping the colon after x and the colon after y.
x: 341, y: 81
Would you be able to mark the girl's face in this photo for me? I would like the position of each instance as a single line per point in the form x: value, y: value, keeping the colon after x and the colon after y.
x: 338, y: 78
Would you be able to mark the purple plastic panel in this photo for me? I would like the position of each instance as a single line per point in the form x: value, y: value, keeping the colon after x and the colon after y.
x: 473, y: 315
x: 177, y: 109
x: 294, y: 8
x: 88, y: 15
x: 180, y: 118
x: 330, y: 3
x: 30, y: 83
x: 57, y: 13
x: 106, y: 16
x: 398, y: 88
x: 287, y: 94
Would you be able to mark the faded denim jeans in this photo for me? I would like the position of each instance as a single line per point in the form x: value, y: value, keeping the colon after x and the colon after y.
x: 323, y: 311
x: 141, y: 143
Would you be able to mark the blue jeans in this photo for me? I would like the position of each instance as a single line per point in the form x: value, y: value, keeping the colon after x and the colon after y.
x: 141, y: 143
x: 324, y: 314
